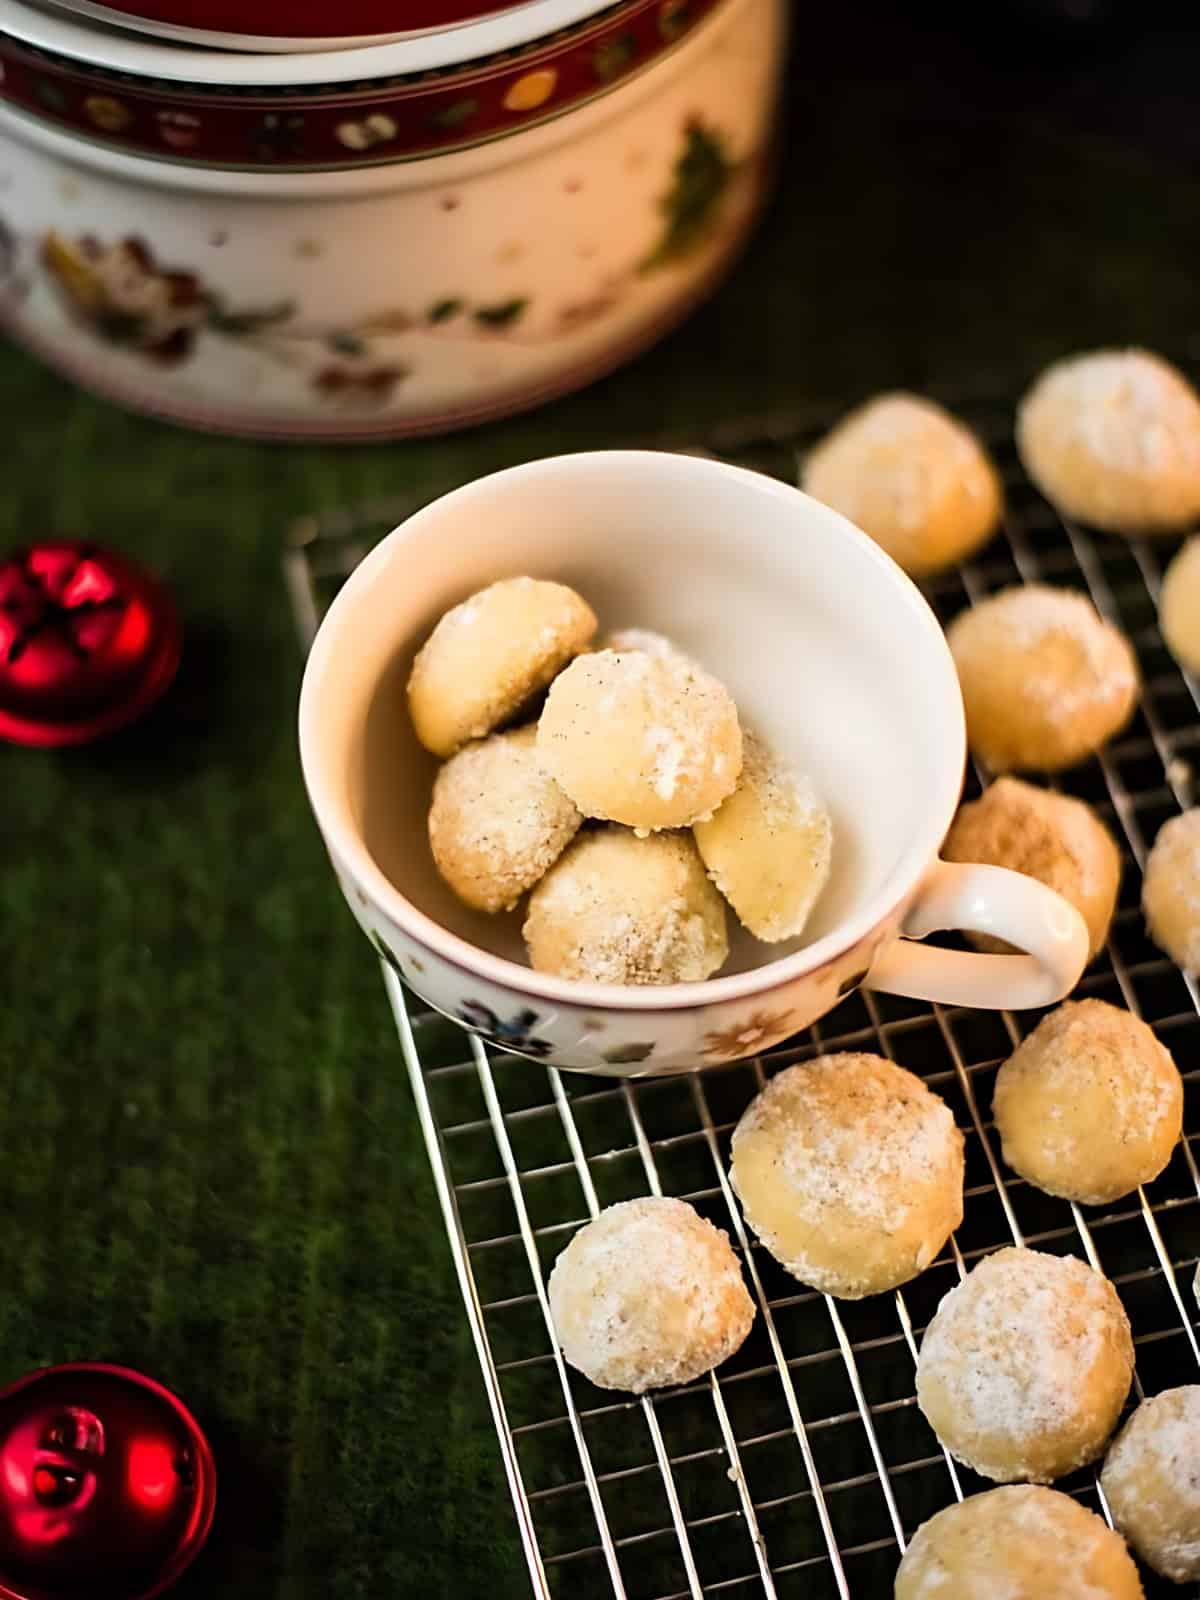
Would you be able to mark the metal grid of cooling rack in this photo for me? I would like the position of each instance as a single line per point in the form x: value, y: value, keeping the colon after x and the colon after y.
x: 803, y: 1466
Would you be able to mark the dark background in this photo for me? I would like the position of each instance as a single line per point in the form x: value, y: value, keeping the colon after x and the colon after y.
x: 211, y: 1168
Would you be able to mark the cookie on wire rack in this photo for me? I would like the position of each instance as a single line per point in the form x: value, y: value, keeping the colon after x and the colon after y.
x: 647, y: 1294
x: 1025, y: 1367
x: 1151, y: 1480
x: 1179, y: 606
x: 1022, y: 1542
x: 1112, y: 439
x: 1171, y: 889
x: 1046, y: 681
x: 911, y: 476
x: 1090, y: 1105
x: 850, y: 1171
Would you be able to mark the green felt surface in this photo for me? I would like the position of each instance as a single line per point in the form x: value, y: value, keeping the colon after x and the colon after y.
x: 210, y: 1164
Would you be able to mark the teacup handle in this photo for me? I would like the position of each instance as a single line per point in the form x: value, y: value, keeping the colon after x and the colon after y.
x: 1007, y: 905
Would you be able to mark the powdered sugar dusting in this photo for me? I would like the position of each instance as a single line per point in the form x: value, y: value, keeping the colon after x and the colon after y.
x: 769, y: 847
x: 1171, y: 889
x: 856, y: 1126
x: 618, y: 909
x: 911, y: 476
x: 498, y: 820
x: 1043, y: 609
x: 619, y: 947
x: 854, y: 1147
x: 1071, y: 661
x: 917, y: 451
x: 1152, y: 1481
x: 666, y: 754
x: 784, y: 792
x: 1113, y: 438
x: 1129, y: 409
x: 1024, y: 1368
x: 1089, y: 1105
x: 488, y: 655
x: 648, y: 1294
x: 651, y: 741
x: 1022, y: 1542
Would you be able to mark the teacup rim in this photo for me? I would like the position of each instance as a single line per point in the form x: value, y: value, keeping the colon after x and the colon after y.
x: 352, y: 855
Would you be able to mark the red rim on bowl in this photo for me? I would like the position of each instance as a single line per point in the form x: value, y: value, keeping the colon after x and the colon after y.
x: 355, y: 120
x: 294, y: 20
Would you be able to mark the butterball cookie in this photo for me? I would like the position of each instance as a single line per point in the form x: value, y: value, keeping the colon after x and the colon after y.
x: 1112, y: 438
x: 1179, y: 607
x: 498, y: 820
x: 619, y: 909
x: 768, y: 848
x: 850, y: 1171
x: 1025, y: 1367
x: 1045, y: 680
x: 487, y: 656
x: 1171, y: 890
x: 1022, y: 1542
x: 1151, y: 1481
x: 652, y: 741
x: 1057, y: 840
x: 906, y: 472
x: 1090, y: 1105
x: 648, y: 1294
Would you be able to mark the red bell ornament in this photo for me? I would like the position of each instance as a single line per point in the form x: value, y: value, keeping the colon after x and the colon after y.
x: 107, y: 1485
x: 88, y: 641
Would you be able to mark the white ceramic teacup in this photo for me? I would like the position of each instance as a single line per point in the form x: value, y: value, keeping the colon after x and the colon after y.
x: 827, y: 648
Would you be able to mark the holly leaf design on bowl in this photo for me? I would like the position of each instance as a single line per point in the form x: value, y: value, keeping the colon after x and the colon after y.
x: 503, y: 314
x: 689, y: 207
x: 252, y: 320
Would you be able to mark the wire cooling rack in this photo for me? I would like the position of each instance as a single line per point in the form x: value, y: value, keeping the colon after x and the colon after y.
x: 802, y: 1468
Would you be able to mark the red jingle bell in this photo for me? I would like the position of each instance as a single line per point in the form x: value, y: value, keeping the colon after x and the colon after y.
x: 107, y: 1485
x: 88, y: 641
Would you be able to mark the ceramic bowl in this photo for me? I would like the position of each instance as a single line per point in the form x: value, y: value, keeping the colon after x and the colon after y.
x: 376, y: 242
x: 825, y: 645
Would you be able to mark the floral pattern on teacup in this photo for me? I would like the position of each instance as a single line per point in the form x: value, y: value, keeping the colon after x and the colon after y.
x: 750, y: 1035
x: 514, y: 1033
x: 636, y: 1051
x: 615, y: 1042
